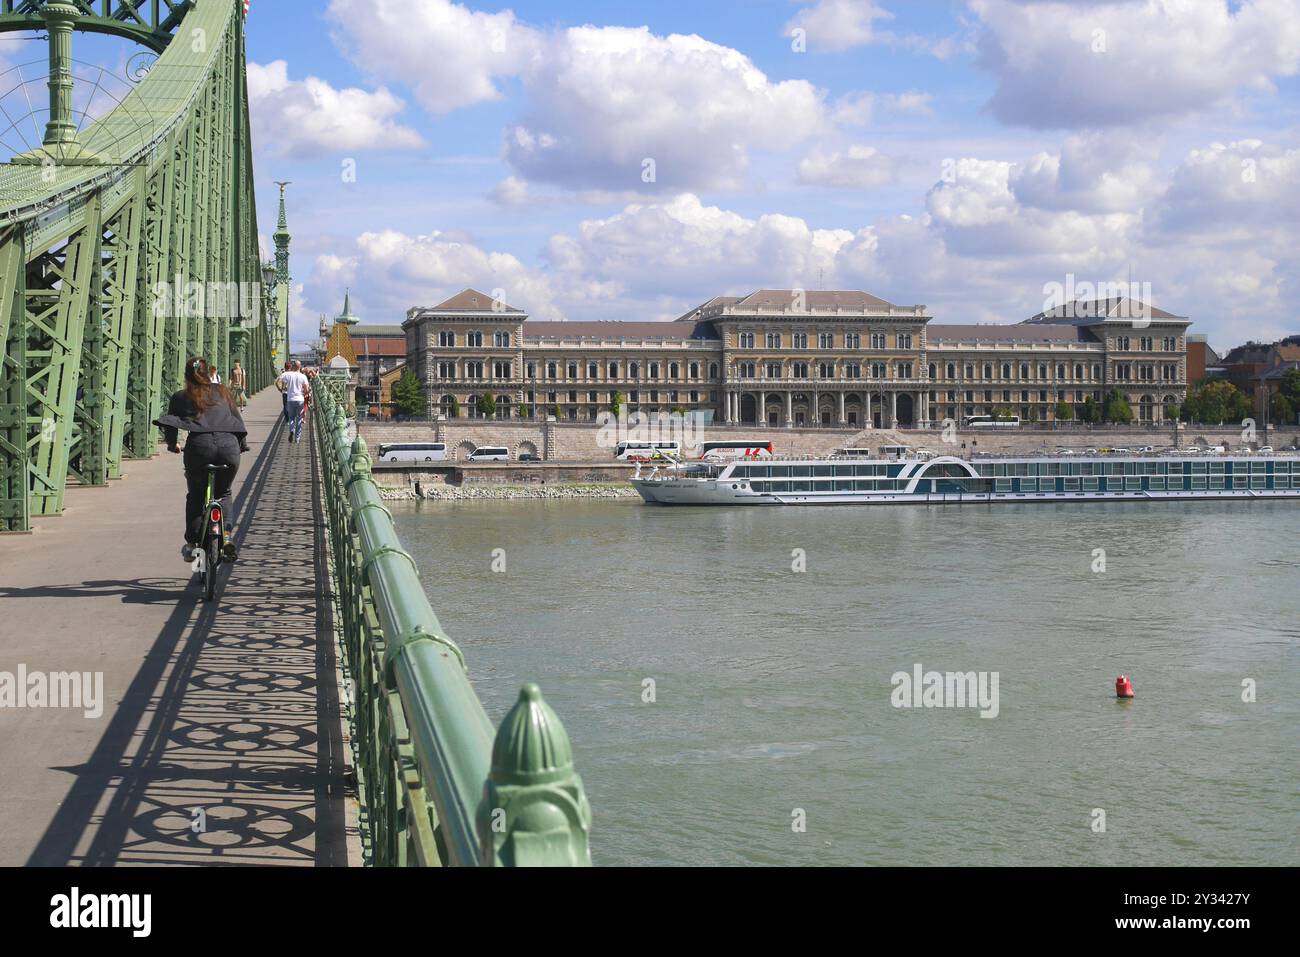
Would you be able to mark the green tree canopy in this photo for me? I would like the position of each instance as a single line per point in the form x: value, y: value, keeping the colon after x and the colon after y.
x: 1116, y: 408
x: 1064, y: 411
x: 1214, y: 402
x: 487, y: 405
x: 408, y: 397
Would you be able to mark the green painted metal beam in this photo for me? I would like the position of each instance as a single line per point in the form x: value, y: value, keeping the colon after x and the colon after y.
x: 14, y: 503
x: 148, y: 22
x: 113, y: 244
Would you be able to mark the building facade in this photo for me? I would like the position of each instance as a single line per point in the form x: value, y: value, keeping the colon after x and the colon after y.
x: 1257, y: 370
x: 784, y: 357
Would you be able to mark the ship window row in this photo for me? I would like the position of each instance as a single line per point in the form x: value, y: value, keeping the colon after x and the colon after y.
x: 1154, y: 483
x: 802, y: 471
x: 776, y: 487
x: 1034, y: 469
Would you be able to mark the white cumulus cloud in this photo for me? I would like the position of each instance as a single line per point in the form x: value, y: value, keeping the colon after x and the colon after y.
x: 305, y: 117
x: 837, y: 25
x: 1103, y: 64
x: 604, y: 108
x: 858, y: 167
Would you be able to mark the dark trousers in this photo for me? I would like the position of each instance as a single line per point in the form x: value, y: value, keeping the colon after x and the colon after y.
x: 201, y: 450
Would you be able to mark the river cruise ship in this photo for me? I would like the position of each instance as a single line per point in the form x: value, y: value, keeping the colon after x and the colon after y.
x: 945, y: 479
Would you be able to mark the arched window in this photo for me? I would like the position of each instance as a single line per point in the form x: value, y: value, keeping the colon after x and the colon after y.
x: 713, y: 370
x: 952, y: 370
x: 673, y: 370
x: 934, y: 374
x: 633, y: 370
x: 613, y: 370
x: 1006, y: 370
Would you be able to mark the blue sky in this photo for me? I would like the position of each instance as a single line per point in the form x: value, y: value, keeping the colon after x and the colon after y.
x: 966, y: 154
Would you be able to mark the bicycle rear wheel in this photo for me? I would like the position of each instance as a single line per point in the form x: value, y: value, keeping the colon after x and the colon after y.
x: 213, y: 548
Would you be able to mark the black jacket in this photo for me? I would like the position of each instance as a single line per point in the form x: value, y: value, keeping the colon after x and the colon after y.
x: 220, y: 416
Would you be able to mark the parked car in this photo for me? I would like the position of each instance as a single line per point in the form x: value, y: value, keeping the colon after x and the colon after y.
x: 490, y: 453
x: 1065, y: 451
x: 1089, y: 451
x: 1146, y: 450
x: 1266, y: 450
x: 529, y: 457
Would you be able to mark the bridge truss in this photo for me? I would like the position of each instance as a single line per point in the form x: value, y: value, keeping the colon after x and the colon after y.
x: 126, y: 247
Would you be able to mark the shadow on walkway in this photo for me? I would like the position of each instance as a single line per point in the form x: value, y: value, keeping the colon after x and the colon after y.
x: 226, y: 747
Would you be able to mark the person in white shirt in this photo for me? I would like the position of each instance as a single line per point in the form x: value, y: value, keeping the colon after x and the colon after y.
x: 296, y: 389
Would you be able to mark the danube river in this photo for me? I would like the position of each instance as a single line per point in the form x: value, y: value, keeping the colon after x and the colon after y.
x: 772, y: 738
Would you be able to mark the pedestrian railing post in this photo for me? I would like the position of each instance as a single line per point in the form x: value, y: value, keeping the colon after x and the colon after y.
x: 534, y: 810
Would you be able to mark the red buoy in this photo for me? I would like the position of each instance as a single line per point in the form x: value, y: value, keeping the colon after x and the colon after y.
x: 1123, y: 687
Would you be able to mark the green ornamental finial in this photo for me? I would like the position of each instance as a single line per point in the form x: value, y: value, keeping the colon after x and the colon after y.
x: 346, y: 316
x: 534, y: 810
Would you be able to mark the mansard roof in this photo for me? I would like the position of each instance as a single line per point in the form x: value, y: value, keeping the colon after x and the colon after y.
x: 618, y: 329
x: 814, y: 298
x: 1089, y: 311
x: 471, y: 300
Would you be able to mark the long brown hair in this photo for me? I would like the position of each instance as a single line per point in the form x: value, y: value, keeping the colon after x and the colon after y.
x: 199, y: 388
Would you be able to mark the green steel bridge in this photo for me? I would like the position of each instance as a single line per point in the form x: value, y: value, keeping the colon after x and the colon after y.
x: 114, y: 234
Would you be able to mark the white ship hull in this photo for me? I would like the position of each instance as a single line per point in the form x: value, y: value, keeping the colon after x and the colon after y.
x: 952, y: 481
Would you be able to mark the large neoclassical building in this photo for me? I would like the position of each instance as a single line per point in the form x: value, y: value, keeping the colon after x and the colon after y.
x: 794, y: 357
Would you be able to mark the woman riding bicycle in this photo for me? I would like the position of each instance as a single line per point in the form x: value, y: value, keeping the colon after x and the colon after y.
x: 216, y: 437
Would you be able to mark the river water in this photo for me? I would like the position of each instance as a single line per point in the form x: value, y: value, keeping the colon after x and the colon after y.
x: 772, y: 738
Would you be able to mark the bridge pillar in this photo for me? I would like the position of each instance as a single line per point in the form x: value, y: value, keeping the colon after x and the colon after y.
x: 60, y: 142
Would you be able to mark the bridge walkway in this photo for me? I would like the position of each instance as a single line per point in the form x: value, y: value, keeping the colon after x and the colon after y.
x: 220, y: 739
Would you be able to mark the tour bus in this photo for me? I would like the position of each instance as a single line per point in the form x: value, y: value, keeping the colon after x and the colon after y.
x: 645, y: 451
x: 736, y: 448
x: 413, y: 452
x: 490, y: 453
x: 988, y: 422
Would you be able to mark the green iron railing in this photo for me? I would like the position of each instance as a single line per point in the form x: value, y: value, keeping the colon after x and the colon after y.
x: 436, y: 786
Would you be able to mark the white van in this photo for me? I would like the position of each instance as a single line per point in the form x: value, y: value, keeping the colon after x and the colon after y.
x: 490, y: 453
x: 413, y: 452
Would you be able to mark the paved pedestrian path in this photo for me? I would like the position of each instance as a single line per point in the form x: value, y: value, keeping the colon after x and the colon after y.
x: 220, y: 740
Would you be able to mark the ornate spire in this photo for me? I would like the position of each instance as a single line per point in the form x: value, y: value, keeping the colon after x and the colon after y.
x: 346, y: 316
x: 282, y: 225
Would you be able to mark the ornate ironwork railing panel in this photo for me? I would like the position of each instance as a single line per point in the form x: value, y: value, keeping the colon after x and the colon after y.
x: 437, y: 785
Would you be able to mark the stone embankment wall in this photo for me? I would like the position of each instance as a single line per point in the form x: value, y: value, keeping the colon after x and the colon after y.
x: 444, y: 493
x: 573, y: 442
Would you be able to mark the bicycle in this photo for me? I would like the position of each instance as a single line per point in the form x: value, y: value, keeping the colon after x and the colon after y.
x: 213, y: 549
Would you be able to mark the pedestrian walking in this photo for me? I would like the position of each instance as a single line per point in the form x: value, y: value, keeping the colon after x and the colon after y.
x: 296, y: 389
x: 239, y: 385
